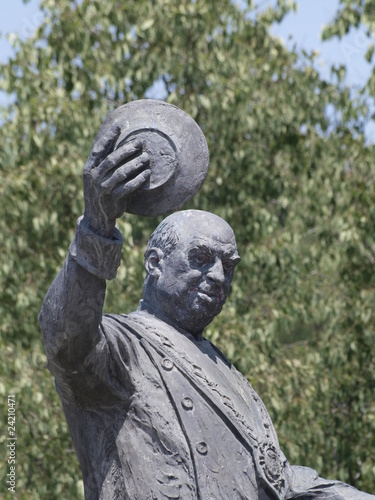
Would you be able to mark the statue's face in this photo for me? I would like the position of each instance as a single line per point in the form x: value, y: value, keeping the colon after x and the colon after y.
x: 196, y: 276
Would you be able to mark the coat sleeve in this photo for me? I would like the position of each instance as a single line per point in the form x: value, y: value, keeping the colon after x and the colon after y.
x: 72, y: 309
x: 307, y: 485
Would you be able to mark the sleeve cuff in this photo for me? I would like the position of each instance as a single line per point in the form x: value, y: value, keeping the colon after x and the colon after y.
x: 98, y: 255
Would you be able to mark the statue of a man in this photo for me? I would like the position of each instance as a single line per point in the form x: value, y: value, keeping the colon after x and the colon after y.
x: 154, y: 409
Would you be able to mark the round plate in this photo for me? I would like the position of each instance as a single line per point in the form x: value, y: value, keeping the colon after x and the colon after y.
x: 177, y: 149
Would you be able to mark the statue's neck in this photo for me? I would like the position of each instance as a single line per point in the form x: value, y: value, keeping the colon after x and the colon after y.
x: 144, y: 305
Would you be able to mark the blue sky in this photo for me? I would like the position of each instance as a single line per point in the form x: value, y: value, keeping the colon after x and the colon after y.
x: 304, y: 27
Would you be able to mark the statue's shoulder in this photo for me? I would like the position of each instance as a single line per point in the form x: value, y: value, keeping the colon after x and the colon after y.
x: 132, y: 324
x: 219, y: 353
x: 115, y: 321
x: 118, y: 326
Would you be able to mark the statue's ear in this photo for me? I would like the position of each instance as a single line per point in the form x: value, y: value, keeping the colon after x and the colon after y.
x: 153, y: 262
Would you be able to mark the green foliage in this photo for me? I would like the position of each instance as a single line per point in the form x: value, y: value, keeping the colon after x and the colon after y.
x: 297, y: 187
x: 42, y: 433
x: 360, y: 15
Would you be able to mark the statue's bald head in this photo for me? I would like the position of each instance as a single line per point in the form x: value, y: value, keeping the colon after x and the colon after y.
x: 187, y: 222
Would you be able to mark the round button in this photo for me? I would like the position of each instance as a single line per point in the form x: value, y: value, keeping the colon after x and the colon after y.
x: 167, y: 364
x: 187, y: 403
x: 202, y: 448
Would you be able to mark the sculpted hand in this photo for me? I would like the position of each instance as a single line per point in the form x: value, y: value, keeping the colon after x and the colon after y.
x: 109, y: 178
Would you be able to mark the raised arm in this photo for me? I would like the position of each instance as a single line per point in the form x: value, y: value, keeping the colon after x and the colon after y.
x: 72, y: 308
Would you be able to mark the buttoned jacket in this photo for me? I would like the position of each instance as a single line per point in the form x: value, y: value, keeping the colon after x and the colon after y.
x: 172, y: 418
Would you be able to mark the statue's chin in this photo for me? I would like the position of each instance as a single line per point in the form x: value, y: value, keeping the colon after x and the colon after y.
x: 196, y: 319
x: 192, y: 314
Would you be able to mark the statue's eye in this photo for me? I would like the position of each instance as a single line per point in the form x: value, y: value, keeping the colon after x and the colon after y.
x: 200, y: 257
x: 228, y: 266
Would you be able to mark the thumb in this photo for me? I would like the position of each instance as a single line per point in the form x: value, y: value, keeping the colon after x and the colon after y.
x: 103, y: 144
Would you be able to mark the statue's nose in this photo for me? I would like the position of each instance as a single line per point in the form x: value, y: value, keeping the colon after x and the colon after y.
x: 216, y: 272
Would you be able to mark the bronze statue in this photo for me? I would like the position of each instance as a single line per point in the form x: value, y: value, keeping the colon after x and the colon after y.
x: 154, y: 409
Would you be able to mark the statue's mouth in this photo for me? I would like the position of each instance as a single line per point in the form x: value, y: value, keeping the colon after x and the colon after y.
x: 210, y: 296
